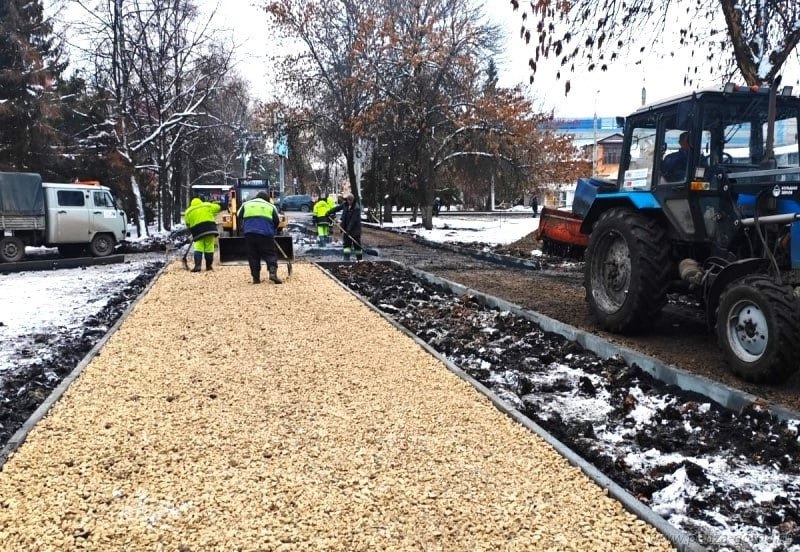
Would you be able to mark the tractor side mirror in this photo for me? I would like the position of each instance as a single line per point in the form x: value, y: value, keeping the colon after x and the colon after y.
x: 620, y: 121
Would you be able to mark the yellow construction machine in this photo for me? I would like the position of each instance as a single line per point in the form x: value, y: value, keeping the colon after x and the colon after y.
x: 232, y: 246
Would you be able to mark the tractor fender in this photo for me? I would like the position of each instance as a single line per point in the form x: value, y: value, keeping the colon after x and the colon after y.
x: 637, y: 201
x: 732, y: 272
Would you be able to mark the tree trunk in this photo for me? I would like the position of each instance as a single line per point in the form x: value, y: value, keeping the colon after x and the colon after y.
x: 351, y: 172
x: 414, y: 213
x: 427, y: 217
x: 141, y: 229
x: 387, y: 210
x: 428, y: 193
x: 169, y: 198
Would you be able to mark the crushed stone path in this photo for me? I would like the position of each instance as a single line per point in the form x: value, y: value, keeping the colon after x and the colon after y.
x: 228, y: 416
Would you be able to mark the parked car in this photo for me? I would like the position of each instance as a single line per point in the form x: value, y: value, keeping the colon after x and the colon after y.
x: 297, y: 203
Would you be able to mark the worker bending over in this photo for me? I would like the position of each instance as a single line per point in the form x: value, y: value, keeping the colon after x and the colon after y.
x: 260, y: 223
x: 200, y: 218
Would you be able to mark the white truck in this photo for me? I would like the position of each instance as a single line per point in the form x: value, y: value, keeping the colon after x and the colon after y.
x: 71, y: 217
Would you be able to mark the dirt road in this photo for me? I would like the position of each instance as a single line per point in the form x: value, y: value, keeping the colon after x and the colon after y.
x: 680, y: 336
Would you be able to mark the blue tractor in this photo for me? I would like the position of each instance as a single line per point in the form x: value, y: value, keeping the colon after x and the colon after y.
x: 707, y: 201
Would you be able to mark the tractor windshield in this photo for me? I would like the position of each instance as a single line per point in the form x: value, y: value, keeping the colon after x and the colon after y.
x: 735, y: 132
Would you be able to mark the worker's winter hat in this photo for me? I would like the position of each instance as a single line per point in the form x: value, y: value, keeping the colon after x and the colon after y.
x: 263, y: 195
x: 350, y: 197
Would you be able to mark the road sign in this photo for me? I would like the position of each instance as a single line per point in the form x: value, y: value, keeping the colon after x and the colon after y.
x: 281, y: 146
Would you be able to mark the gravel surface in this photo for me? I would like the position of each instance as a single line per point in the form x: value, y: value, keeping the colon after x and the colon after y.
x: 695, y: 463
x: 679, y: 337
x: 288, y: 427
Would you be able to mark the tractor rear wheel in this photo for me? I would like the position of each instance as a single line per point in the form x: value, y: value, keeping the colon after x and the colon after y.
x: 627, y: 270
x: 758, y: 329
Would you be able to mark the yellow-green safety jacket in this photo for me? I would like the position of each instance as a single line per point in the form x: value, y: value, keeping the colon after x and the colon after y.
x: 320, y: 210
x: 200, y: 218
x: 260, y: 217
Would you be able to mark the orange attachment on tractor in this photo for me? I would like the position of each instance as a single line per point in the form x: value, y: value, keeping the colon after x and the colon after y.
x: 560, y: 232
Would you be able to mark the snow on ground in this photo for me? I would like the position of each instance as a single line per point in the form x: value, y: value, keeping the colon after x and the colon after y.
x: 45, y: 302
x: 498, y: 228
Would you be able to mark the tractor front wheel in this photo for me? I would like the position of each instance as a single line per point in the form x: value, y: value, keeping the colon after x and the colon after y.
x: 627, y: 270
x: 758, y: 329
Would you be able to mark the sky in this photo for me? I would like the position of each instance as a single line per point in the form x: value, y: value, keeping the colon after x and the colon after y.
x: 615, y: 92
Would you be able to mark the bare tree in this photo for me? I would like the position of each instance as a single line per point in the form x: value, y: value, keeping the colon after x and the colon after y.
x: 149, y: 55
x: 444, y: 120
x: 214, y: 148
x: 337, y: 37
x: 753, y: 37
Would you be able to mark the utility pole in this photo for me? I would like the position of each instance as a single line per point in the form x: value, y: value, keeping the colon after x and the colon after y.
x: 358, y: 169
x: 594, y: 137
x: 244, y: 157
x: 281, y: 149
x: 281, y: 177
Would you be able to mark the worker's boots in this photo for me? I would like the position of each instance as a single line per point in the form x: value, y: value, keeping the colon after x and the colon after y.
x: 198, y: 260
x: 273, y: 276
x: 209, y: 261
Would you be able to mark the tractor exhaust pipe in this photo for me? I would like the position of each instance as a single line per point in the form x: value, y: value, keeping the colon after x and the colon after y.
x: 786, y: 218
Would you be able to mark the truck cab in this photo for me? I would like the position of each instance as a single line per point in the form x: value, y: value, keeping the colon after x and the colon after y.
x: 81, y: 214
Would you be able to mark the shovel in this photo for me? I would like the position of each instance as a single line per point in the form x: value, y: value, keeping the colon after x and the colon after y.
x: 186, y: 254
x: 285, y: 256
x: 355, y: 241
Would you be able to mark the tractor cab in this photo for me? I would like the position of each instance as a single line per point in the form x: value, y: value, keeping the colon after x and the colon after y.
x: 700, y: 161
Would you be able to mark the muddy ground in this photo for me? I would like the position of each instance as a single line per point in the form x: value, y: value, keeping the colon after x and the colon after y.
x: 680, y: 336
x: 728, y: 479
x: 22, y: 390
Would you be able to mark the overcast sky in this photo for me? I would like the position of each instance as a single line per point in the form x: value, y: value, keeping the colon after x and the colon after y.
x: 616, y: 92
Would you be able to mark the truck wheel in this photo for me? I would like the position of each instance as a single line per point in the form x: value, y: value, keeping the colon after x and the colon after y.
x: 11, y: 250
x: 627, y: 270
x: 102, y: 245
x: 758, y: 329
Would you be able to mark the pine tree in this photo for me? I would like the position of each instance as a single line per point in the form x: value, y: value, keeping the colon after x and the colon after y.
x: 491, y: 77
x: 29, y: 67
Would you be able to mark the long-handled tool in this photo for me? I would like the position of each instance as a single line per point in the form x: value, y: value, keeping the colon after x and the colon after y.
x: 207, y: 228
x: 285, y: 256
x: 352, y: 239
x: 186, y: 254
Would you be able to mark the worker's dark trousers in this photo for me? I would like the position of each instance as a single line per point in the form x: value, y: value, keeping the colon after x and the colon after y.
x: 260, y: 247
x: 352, y: 244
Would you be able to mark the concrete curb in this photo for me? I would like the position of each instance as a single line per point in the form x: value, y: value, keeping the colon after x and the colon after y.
x: 55, y: 264
x: 678, y: 538
x: 21, y: 434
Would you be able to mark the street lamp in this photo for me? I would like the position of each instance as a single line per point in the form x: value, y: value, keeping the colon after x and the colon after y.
x: 594, y: 136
